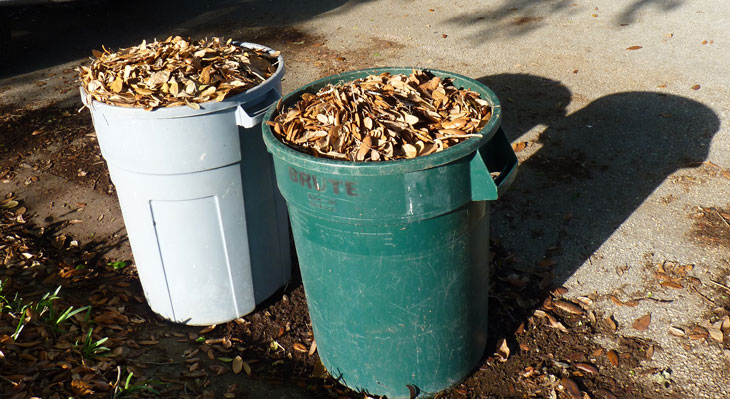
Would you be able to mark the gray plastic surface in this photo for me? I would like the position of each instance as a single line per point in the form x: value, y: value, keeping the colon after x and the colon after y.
x: 207, y: 225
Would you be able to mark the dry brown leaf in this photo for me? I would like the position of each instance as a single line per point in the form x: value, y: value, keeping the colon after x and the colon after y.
x: 642, y: 323
x: 412, y: 391
x: 569, y: 307
x: 218, y: 369
x: 571, y: 388
x: 519, y: 146
x: 612, y: 324
x: 671, y: 284
x: 632, y: 303
x: 650, y: 352
x: 312, y: 348
x: 554, y: 323
x: 634, y: 48
x: 696, y: 87
x: 117, y: 85
x: 588, y: 368
x: 502, y: 350
x: 237, y: 364
x: 585, y: 302
x: 81, y: 388
x: 207, y: 329
x: 612, y: 357
x: 698, y: 333
x: 676, y: 331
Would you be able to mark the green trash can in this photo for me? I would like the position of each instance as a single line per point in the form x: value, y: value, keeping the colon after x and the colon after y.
x: 394, y: 255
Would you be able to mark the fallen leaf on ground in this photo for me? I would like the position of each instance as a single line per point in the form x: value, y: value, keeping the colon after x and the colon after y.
x: 519, y: 146
x: 554, y: 323
x: 676, y: 331
x: 642, y: 323
x: 569, y: 307
x: 312, y: 348
x: 587, y: 368
x: 698, y: 333
x: 571, y: 388
x: 502, y: 350
x: 671, y: 284
x: 612, y: 357
x: 237, y: 364
x: 207, y: 329
x: 634, y: 48
x: 611, y: 323
x: 81, y: 388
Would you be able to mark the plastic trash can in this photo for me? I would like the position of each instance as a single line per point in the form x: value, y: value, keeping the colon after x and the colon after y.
x: 208, y: 229
x: 394, y: 255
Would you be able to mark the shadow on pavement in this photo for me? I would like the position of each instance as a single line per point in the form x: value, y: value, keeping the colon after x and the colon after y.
x: 520, y: 17
x: 48, y: 35
x: 594, y: 167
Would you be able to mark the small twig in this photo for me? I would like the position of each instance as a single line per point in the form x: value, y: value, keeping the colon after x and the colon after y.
x: 11, y: 382
x: 657, y: 300
x: 159, y: 363
x: 93, y: 187
x: 725, y: 287
x: 119, y: 377
x: 708, y: 300
x: 721, y: 218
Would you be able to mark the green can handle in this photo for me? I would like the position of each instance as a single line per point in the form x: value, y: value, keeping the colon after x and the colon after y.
x: 494, y: 156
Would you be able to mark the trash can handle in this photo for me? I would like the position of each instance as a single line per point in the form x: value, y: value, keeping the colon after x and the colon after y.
x: 253, y: 114
x: 494, y: 156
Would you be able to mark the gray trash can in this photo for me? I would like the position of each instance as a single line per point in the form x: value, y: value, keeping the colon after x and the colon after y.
x: 207, y: 225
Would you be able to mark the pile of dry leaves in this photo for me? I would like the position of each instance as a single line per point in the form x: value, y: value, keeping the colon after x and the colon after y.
x: 175, y: 72
x: 383, y: 117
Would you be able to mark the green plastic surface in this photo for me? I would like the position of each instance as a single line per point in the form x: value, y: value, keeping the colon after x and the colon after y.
x: 394, y: 255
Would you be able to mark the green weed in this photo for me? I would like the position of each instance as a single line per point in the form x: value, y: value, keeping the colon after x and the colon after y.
x: 125, y: 390
x: 89, y: 348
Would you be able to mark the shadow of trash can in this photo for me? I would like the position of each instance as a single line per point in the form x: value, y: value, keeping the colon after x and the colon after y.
x: 394, y: 255
x: 208, y: 228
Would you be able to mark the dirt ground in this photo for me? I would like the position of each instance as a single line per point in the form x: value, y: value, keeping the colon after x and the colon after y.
x: 549, y: 348
x: 61, y: 227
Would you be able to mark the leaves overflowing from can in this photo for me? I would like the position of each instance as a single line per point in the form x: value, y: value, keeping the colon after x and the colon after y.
x: 383, y: 117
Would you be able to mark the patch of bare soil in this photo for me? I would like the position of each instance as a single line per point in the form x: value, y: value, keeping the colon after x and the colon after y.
x: 61, y: 142
x: 711, y: 226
